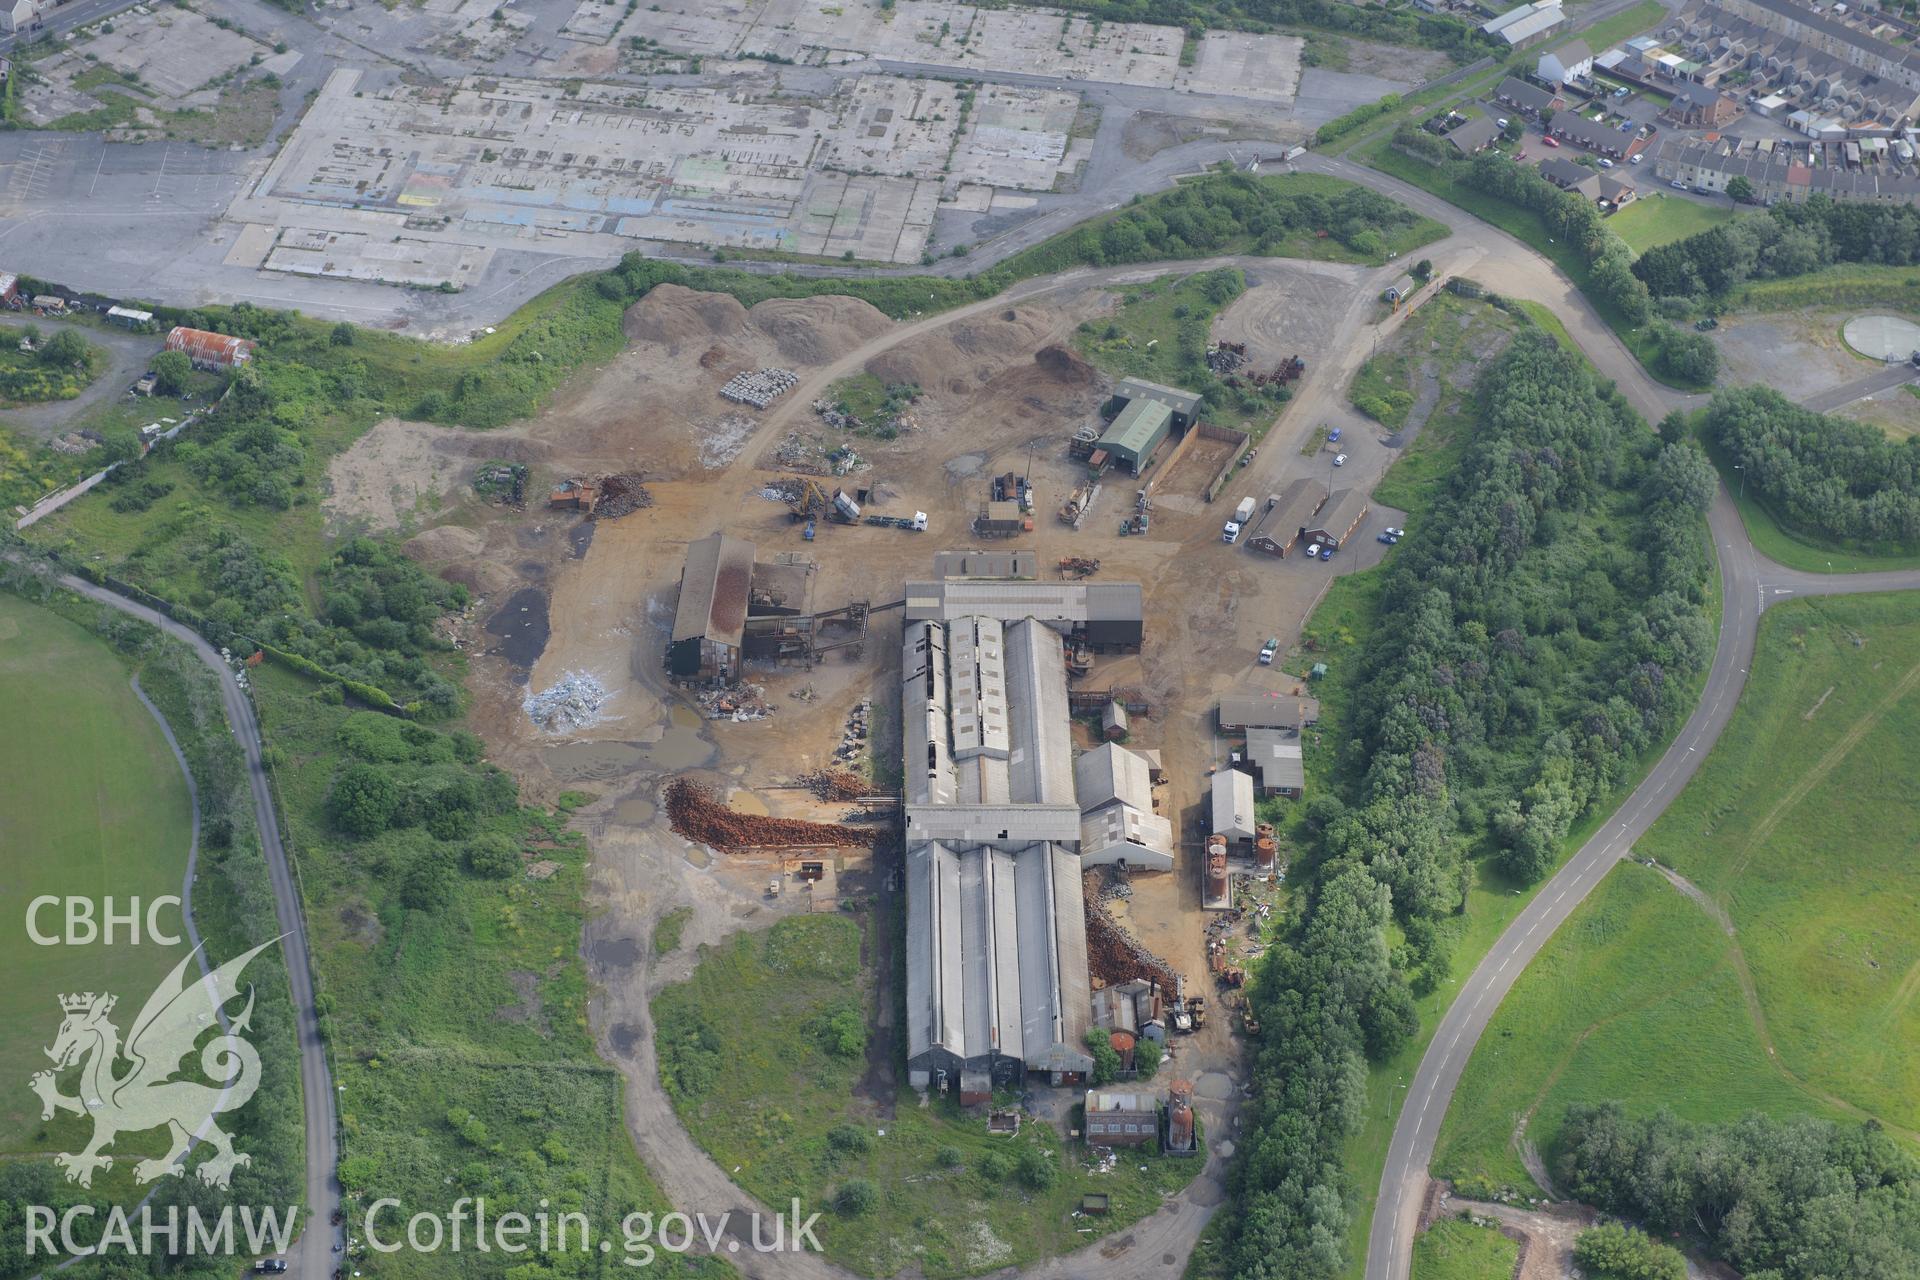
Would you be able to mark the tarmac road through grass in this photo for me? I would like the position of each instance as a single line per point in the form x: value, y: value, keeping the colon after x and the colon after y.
x: 1779, y: 972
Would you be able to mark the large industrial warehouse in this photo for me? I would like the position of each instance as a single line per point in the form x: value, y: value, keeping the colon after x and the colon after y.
x: 997, y: 983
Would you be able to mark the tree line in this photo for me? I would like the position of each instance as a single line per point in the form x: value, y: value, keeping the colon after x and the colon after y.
x: 1790, y: 239
x: 1796, y: 1199
x: 1832, y: 476
x: 1536, y: 640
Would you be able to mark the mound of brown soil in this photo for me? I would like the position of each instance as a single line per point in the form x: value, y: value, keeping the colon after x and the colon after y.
x: 445, y: 542
x: 963, y: 355
x: 1065, y: 366
x: 818, y: 330
x: 672, y: 314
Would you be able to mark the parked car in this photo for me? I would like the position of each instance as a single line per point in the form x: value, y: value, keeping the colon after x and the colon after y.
x: 1551, y: 141
x: 1397, y: 533
x: 1388, y: 538
x: 1313, y: 551
x: 1339, y: 459
x: 1268, y: 650
x: 1622, y: 92
x: 1521, y: 154
x: 1333, y: 436
x: 1502, y: 123
x: 1678, y: 185
x: 1605, y: 163
x: 270, y: 1266
x: 1636, y: 157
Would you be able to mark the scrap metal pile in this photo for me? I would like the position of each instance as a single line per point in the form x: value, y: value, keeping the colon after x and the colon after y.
x: 1113, y: 955
x: 621, y: 495
x: 1224, y: 357
x: 736, y: 702
x: 760, y: 387
x: 697, y: 815
x: 572, y: 703
x: 836, y: 784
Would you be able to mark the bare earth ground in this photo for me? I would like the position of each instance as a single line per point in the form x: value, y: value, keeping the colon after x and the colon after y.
x: 1895, y: 411
x: 1795, y: 353
x: 1002, y: 392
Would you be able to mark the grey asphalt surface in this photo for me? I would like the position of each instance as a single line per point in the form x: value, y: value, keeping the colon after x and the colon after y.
x: 1749, y: 583
x: 128, y: 356
x: 313, y: 1255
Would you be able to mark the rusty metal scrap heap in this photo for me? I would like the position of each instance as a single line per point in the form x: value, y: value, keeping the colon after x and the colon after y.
x: 698, y: 815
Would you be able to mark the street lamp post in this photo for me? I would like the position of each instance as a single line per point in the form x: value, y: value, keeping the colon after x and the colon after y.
x: 1743, y: 480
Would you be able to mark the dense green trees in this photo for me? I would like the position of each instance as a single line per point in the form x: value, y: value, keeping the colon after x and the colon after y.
x: 1834, y: 477
x: 1788, y: 240
x: 1615, y: 1252
x: 1535, y: 638
x: 170, y: 371
x: 1688, y: 355
x: 1798, y: 1199
x: 1570, y: 217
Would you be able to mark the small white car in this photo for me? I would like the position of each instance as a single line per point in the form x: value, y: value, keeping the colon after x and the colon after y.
x: 1339, y: 459
x: 1501, y: 123
x: 1313, y: 551
x: 1605, y: 163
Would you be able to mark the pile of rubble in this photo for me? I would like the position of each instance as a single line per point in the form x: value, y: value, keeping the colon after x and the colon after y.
x: 1113, y: 955
x: 737, y: 702
x: 853, y: 738
x: 836, y: 784
x: 76, y: 442
x: 697, y: 815
x: 892, y: 424
x: 572, y: 703
x: 503, y: 482
x: 1224, y: 357
x: 761, y: 387
x: 620, y: 495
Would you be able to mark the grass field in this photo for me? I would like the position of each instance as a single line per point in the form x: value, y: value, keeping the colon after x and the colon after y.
x: 1654, y: 220
x: 1455, y: 1249
x: 1799, y: 830
x: 1845, y: 285
x: 92, y: 804
x: 744, y: 1049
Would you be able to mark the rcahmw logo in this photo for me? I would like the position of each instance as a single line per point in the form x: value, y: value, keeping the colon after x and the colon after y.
x: 147, y: 1095
x: 171, y: 1232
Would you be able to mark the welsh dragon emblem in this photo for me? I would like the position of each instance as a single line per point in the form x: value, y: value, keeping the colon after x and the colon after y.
x: 149, y: 1094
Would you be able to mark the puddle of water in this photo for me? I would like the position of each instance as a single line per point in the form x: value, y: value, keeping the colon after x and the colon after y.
x: 685, y: 718
x: 697, y: 854
x: 635, y: 811
x: 521, y: 624
x: 625, y: 1035
x: 747, y: 802
x: 679, y: 748
x: 593, y: 761
x: 616, y: 953
x: 580, y: 537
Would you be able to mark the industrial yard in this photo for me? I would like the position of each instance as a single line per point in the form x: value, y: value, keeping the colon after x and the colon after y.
x: 725, y: 673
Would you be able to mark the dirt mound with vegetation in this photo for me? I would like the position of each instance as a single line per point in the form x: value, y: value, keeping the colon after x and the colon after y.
x: 818, y: 330
x: 673, y: 314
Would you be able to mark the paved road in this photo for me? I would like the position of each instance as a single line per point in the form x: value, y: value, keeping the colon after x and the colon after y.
x: 1749, y: 584
x: 1860, y: 388
x: 313, y: 1254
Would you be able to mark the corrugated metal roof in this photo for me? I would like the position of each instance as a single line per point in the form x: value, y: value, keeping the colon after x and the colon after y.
x: 996, y: 956
x: 713, y: 590
x: 1111, y: 772
x: 1278, y: 758
x: 1233, y: 804
x: 1268, y: 710
x: 1182, y: 402
x: 1040, y: 737
x: 211, y: 348
x: 1137, y: 426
